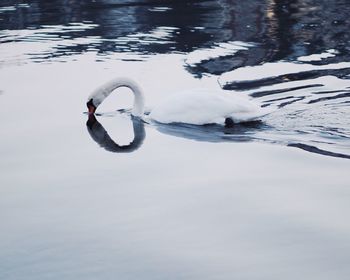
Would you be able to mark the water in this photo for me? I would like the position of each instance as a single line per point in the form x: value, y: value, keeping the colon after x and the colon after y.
x: 112, y: 197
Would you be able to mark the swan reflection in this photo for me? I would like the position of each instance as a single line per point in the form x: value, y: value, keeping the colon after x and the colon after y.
x: 100, y: 136
x: 203, y: 133
x: 242, y: 132
x: 245, y: 132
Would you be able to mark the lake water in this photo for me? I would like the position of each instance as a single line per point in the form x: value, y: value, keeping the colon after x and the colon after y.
x: 112, y: 197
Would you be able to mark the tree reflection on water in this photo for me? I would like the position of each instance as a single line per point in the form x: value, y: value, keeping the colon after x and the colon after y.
x: 283, y: 29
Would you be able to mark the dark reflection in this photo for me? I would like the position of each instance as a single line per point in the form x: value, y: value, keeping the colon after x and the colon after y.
x: 100, y: 136
x: 307, y: 75
x: 283, y: 29
x: 313, y: 149
x: 244, y: 132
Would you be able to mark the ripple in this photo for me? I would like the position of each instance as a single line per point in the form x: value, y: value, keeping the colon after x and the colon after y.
x: 318, y: 57
x: 7, y: 9
x: 48, y: 41
x: 59, y: 42
x: 159, y: 35
x: 160, y: 9
x: 316, y: 150
x: 217, y: 50
x: 258, y: 75
x: 311, y: 100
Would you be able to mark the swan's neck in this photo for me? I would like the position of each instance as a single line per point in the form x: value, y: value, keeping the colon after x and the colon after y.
x: 104, y: 91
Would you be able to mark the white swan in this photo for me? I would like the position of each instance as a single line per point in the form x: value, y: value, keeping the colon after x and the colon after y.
x: 193, y: 107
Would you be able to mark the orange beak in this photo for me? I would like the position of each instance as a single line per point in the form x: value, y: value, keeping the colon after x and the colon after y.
x: 91, y: 109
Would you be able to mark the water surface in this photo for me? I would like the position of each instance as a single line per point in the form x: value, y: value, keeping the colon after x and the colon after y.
x: 112, y: 197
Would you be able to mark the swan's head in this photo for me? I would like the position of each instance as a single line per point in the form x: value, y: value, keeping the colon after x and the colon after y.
x: 91, y: 106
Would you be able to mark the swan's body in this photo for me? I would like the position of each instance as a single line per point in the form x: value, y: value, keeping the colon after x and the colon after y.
x: 194, y: 107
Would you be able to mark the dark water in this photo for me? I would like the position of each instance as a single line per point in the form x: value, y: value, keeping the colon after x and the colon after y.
x: 113, y: 197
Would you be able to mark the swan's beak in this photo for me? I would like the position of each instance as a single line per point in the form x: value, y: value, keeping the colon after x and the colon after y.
x: 91, y: 107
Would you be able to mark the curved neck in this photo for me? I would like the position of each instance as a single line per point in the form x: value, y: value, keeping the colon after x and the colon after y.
x: 100, y: 135
x: 101, y: 93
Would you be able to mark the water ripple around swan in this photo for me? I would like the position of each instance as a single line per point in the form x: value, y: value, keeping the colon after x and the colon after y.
x: 311, y: 101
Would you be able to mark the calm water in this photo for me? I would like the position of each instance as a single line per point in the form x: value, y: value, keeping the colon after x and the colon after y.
x: 115, y: 198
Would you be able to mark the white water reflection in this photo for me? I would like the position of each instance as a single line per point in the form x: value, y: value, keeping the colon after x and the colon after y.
x: 159, y: 9
x: 61, y: 42
x: 218, y: 50
x: 273, y: 70
x: 159, y: 35
x: 42, y: 44
x: 318, y: 57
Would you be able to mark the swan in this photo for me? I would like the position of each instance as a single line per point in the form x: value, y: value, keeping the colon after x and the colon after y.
x: 197, y: 107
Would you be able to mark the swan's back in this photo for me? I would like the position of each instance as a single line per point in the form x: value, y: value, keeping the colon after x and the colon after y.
x: 204, y: 107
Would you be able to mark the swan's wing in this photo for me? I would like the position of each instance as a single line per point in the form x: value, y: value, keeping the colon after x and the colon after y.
x: 201, y: 107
